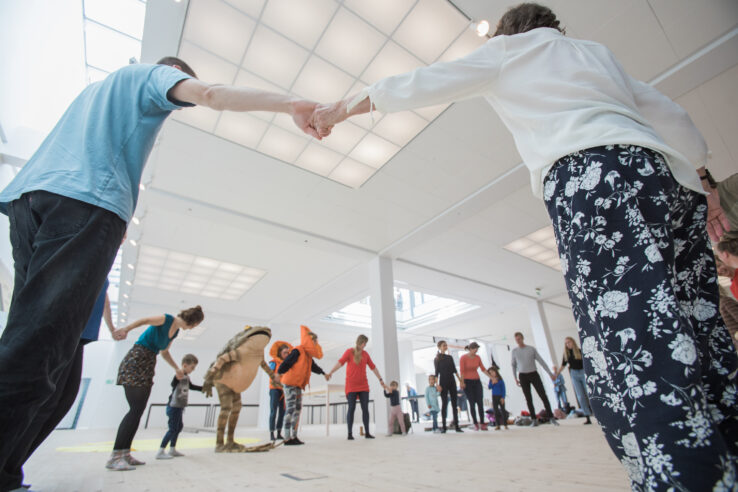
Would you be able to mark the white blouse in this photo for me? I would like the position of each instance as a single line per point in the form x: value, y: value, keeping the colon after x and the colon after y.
x: 557, y: 95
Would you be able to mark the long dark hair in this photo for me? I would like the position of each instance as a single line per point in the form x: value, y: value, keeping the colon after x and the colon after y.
x: 525, y: 17
x: 438, y: 355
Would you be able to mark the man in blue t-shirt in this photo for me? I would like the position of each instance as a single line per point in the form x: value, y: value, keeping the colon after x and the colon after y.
x: 68, y: 208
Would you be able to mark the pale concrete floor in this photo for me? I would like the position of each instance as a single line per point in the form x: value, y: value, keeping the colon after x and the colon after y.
x: 569, y: 458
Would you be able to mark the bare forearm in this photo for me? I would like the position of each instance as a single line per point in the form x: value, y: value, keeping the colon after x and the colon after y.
x: 168, y: 357
x: 226, y: 97
x: 335, y: 368
x: 108, y: 315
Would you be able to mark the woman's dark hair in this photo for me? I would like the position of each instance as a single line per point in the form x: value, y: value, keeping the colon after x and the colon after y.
x: 525, y: 17
x: 173, y: 60
x: 438, y: 355
x: 192, y: 316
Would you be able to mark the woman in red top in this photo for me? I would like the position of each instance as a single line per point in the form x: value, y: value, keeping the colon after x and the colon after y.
x: 357, y: 385
x: 469, y: 363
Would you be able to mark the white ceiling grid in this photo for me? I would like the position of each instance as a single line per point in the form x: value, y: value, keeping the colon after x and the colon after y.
x: 321, y: 50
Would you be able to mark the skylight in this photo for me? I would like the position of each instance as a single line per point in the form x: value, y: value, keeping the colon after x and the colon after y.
x: 321, y: 50
x: 113, y: 33
x: 183, y: 272
x: 412, y: 310
x: 539, y: 246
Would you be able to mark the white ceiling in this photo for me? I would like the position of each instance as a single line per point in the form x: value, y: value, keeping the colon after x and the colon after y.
x: 443, y: 207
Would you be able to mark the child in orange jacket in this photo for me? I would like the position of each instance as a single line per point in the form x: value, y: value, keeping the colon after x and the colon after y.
x: 294, y: 373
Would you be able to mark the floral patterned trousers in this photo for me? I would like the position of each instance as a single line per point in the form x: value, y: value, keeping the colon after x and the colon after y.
x: 641, y: 278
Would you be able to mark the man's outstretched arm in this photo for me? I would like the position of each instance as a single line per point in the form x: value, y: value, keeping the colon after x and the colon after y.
x: 231, y: 98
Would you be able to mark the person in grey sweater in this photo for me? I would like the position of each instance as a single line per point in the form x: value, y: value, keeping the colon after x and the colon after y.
x: 524, y: 359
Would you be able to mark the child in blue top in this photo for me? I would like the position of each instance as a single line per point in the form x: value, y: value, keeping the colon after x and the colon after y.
x: 431, y: 399
x: 560, y: 390
x: 497, y: 385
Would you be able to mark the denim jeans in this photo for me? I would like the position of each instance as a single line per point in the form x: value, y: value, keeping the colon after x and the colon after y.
x: 63, y: 250
x: 363, y: 397
x: 276, y: 406
x: 175, y: 426
x: 473, y: 391
x: 580, y: 388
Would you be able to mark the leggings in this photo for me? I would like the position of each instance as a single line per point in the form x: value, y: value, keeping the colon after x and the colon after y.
x: 473, y: 391
x: 364, y: 402
x: 137, y: 397
x: 446, y: 390
x: 293, y: 399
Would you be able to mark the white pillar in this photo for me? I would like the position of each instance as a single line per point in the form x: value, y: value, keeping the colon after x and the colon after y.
x: 384, y: 335
x: 543, y: 342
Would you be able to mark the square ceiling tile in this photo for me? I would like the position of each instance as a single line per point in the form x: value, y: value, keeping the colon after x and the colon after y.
x: 321, y: 81
x: 351, y: 173
x: 464, y: 44
x: 229, y: 38
x: 274, y: 57
x: 392, y: 60
x: 208, y: 67
x: 374, y: 151
x: 430, y: 28
x: 282, y: 144
x: 350, y: 42
x: 241, y: 128
x: 300, y: 21
x: 344, y: 137
x: 318, y: 159
x: 250, y: 7
x: 385, y: 15
x: 199, y: 117
x: 400, y: 128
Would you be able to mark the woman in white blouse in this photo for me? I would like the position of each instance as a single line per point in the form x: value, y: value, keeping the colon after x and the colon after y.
x: 614, y: 161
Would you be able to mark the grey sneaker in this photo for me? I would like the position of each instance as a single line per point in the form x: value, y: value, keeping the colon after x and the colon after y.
x: 533, y: 423
x: 554, y: 421
x: 162, y: 455
x: 131, y: 460
x: 174, y: 453
x: 118, y: 464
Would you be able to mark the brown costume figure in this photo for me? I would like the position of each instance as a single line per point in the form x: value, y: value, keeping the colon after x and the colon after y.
x: 233, y: 372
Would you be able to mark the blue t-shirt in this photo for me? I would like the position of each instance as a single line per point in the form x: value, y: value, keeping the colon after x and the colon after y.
x: 97, y: 150
x: 92, y: 329
x: 156, y: 338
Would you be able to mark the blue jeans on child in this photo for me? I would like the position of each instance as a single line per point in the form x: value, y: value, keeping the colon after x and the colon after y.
x: 434, y: 416
x: 175, y: 426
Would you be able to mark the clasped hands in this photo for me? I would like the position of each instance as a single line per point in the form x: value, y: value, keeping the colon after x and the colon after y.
x: 317, y: 120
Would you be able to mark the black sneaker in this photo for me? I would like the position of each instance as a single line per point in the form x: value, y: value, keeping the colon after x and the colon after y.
x: 350, y: 437
x: 458, y: 429
x: 297, y: 441
x: 291, y: 442
x: 443, y: 431
x: 368, y: 436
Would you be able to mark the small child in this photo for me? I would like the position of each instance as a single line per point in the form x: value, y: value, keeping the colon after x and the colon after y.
x: 176, y: 406
x: 560, y: 390
x: 395, y: 408
x: 497, y: 385
x: 431, y: 400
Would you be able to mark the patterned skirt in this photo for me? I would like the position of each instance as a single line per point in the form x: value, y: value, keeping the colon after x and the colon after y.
x: 137, y: 367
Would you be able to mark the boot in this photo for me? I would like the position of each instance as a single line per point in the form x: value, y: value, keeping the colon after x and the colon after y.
x: 279, y: 435
x: 497, y: 427
x: 588, y: 421
x: 130, y: 459
x: 483, y: 426
x: 271, y: 435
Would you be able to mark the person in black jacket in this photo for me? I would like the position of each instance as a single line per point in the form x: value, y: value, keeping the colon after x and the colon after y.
x: 445, y: 372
